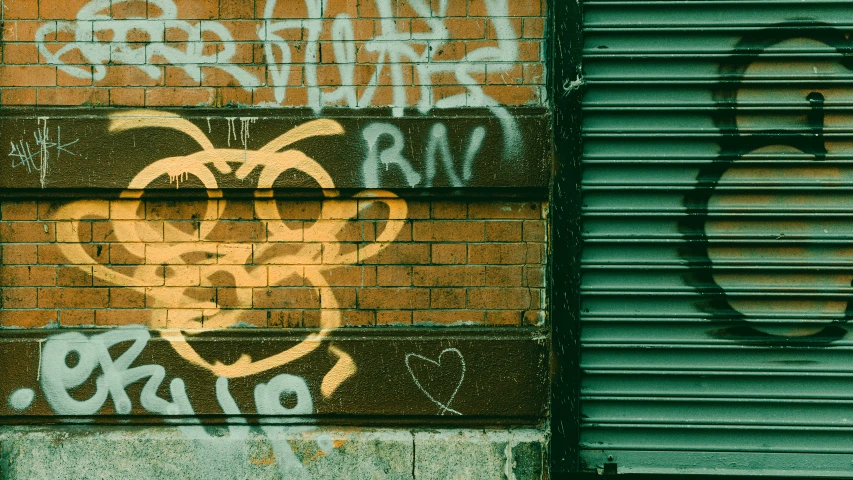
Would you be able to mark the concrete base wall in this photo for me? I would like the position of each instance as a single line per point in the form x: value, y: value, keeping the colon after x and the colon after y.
x: 269, y: 452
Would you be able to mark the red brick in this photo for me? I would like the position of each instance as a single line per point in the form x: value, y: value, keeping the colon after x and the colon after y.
x: 534, y: 318
x: 26, y: 232
x: 513, y: 94
x: 534, y: 276
x: 534, y: 28
x: 225, y: 231
x: 198, y: 9
x: 64, y: 79
x: 233, y: 96
x: 342, y: 276
x: 448, y: 276
x: 72, y: 297
x: 455, y: 8
x: 14, y: 9
x: 27, y: 318
x: 357, y: 318
x: 534, y: 231
x: 28, y: 276
x: 498, y: 253
x: 499, y: 298
x: 127, y: 297
x: 514, y: 31
x: 50, y: 254
x: 395, y: 276
x: 123, y: 254
x: 23, y: 31
x: 337, y: 298
x: 82, y: 209
x: 234, y: 297
x: 449, y: 210
x: 180, y: 297
x: 130, y: 76
x: 376, y: 298
x: 466, y: 28
x: 122, y: 317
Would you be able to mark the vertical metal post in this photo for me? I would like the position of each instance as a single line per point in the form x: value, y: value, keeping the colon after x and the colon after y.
x: 565, y: 85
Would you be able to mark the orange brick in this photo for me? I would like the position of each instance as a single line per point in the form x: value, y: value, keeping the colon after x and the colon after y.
x: 23, y: 31
x: 14, y: 9
x: 534, y: 74
x: 497, y: 253
x: 233, y: 275
x: 342, y: 276
x: 448, y: 231
x: 76, y: 318
x: 64, y: 79
x: 534, y: 231
x: 131, y: 9
x: 225, y: 231
x: 534, y: 28
x: 144, y: 275
x: 234, y: 297
x: 337, y: 298
x: 401, y: 254
x: 394, y: 317
x: 127, y: 297
x: 216, y: 77
x: 64, y: 10
x: 449, y: 210
x: 530, y: 51
x: 500, y: 298
x: 130, y: 76
x: 255, y: 318
x: 122, y: 317
x: 19, y: 96
x: 74, y: 276
x: 27, y: 318
x: 173, y: 97
x: 72, y: 297
x: 499, y: 210
x: 503, y: 317
x: 18, y: 211
x: 449, y: 317
x: 448, y: 298
x: 394, y: 276
x: 20, y: 53
x: 233, y: 96
x: 237, y: 8
x: 288, y: 254
x: 534, y: 276
x: 286, y: 297
x: 447, y: 51
x: 19, y: 297
x: 180, y: 297
x: 126, y: 254
x: 534, y: 318
x: 453, y: 8
x: 466, y: 28
x: 448, y: 276
x: 18, y: 254
x: 504, y: 74
x: 504, y: 276
x: 513, y: 94
x: 27, y: 76
x: 127, y: 97
x: 357, y: 318
x: 50, y: 254
x: 449, y: 254
x: 508, y: 231
x: 146, y: 231
x: 382, y: 298
x: 497, y: 31
x: 198, y: 9
x: 27, y: 232
x: 73, y: 96
x: 83, y: 209
x: 525, y: 8
x: 181, y: 210
x: 285, y: 318
x: 282, y: 10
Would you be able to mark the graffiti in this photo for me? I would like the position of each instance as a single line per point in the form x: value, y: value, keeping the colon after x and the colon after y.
x: 781, y: 229
x: 23, y: 154
x: 138, y: 41
x: 444, y: 406
x: 204, y: 165
x: 437, y: 147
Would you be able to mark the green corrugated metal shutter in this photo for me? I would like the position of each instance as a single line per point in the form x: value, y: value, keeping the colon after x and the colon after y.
x: 718, y: 237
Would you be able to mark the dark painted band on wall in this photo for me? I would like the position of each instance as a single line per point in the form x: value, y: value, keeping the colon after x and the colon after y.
x: 408, y: 376
x: 264, y: 148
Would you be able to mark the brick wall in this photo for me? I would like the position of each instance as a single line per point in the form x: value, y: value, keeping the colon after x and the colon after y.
x: 216, y: 263
x: 351, y: 53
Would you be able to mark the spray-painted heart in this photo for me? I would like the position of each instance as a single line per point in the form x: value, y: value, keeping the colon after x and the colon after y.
x: 444, y: 407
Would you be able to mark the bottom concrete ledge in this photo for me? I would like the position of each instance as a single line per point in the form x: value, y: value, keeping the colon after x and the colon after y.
x: 268, y: 452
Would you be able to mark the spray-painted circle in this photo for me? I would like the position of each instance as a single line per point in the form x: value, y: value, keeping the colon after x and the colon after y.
x: 21, y: 399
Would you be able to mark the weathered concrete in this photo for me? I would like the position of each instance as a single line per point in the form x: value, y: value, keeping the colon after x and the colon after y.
x: 269, y: 452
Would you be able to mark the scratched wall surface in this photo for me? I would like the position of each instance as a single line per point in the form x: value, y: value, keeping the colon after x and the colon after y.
x: 276, y: 218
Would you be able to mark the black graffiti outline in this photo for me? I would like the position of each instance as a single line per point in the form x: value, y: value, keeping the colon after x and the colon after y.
x: 734, y: 145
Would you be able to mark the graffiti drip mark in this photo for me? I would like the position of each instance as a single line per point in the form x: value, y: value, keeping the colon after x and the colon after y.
x: 444, y: 407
